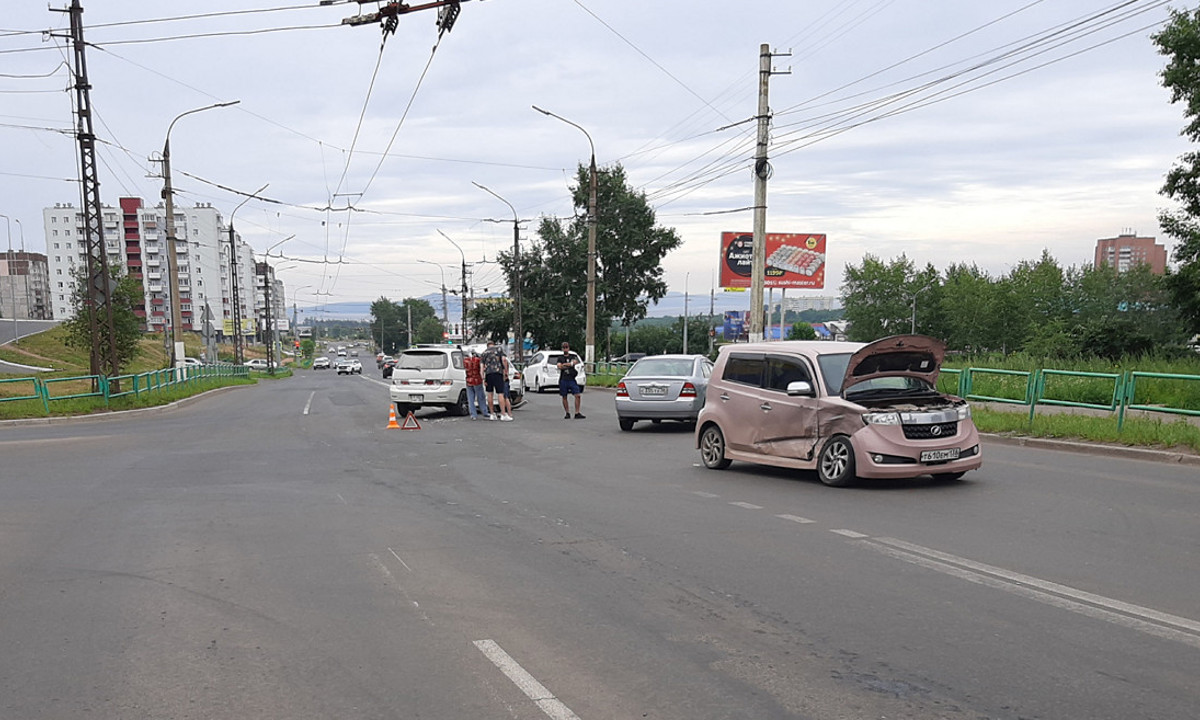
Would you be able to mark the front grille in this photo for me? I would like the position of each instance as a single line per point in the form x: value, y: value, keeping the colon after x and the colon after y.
x: 931, y: 432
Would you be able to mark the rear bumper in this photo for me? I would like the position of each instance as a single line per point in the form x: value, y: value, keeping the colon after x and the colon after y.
x: 683, y: 409
x: 427, y: 394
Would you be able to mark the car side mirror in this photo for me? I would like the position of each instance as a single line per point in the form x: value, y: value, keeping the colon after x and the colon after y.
x: 801, y: 388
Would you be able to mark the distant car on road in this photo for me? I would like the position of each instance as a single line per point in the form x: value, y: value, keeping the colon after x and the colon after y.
x: 192, y: 362
x: 258, y: 364
x: 663, y: 387
x: 349, y: 366
x: 321, y: 363
x: 628, y: 358
x: 541, y: 373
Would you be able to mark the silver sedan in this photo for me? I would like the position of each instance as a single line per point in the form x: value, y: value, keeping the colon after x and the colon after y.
x: 663, y: 387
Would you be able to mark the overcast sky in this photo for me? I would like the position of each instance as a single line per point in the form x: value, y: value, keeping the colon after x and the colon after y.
x: 950, y: 131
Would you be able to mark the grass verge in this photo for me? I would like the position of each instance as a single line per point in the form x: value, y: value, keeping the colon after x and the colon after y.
x: 1178, y: 435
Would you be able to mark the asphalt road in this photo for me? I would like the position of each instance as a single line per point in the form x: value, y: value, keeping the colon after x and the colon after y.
x: 275, y: 552
x: 19, y: 329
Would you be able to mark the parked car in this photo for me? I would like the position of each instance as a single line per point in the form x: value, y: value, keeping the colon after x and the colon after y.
x: 847, y: 410
x: 349, y: 366
x: 387, y: 365
x: 192, y: 362
x: 628, y: 358
x: 663, y: 387
x: 541, y: 372
x: 321, y: 363
x: 429, y: 375
x: 258, y: 364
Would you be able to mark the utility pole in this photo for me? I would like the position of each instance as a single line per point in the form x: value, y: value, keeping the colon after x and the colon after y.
x: 238, y: 352
x: 686, y: 277
x: 518, y: 331
x: 103, y: 355
x: 270, y: 337
x: 712, y: 301
x: 762, y: 172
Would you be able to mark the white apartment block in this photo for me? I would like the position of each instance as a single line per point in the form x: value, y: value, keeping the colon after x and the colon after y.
x: 135, y: 237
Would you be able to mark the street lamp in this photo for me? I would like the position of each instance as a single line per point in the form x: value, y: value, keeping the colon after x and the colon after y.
x: 270, y: 334
x: 445, y: 312
x: 590, y: 339
x: 238, y: 353
x: 686, y: 276
x: 464, y: 283
x: 168, y: 195
x: 518, y: 332
x: 913, y: 326
x: 10, y: 271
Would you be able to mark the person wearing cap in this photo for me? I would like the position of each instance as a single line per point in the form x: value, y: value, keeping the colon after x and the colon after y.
x: 567, y: 384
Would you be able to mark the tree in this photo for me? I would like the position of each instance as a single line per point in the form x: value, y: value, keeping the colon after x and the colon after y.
x: 429, y: 330
x: 630, y: 247
x: 877, y: 299
x: 389, y: 323
x: 127, y: 326
x: 801, y: 331
x: 1179, y: 40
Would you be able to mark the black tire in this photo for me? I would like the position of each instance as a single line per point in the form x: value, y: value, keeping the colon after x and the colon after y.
x: 403, y: 409
x: 949, y: 477
x: 626, y: 423
x: 712, y: 448
x: 835, y: 466
x: 461, y: 408
x: 656, y: 421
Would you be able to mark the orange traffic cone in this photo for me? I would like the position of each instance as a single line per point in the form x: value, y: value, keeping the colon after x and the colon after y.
x: 392, y: 424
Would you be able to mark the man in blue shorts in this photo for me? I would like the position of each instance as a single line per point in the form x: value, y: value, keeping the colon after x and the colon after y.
x: 567, y: 384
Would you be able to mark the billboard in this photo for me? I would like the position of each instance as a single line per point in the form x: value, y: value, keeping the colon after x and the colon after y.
x: 794, y: 260
x: 247, y: 326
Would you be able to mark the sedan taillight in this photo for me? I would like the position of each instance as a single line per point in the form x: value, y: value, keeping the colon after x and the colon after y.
x: 622, y: 391
x: 689, y: 390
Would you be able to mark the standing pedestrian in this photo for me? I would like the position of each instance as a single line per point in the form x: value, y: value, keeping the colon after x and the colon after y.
x: 494, y: 365
x: 475, y: 397
x: 567, y: 384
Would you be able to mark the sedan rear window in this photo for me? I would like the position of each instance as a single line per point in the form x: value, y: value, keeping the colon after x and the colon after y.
x: 661, y: 366
x: 422, y: 361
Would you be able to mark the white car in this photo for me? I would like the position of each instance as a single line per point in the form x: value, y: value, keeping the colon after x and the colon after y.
x: 429, y: 375
x: 258, y: 364
x: 349, y: 366
x: 321, y: 363
x: 541, y: 372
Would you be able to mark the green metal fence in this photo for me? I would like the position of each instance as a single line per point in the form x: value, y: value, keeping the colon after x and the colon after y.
x: 50, y: 390
x: 1129, y: 397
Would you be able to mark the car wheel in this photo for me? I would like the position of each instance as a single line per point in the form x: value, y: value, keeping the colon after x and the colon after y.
x: 712, y: 448
x: 461, y: 408
x: 656, y: 421
x: 402, y: 409
x: 626, y: 423
x: 835, y: 467
x: 949, y: 477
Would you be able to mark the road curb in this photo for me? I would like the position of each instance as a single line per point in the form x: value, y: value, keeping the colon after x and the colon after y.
x: 1122, y: 451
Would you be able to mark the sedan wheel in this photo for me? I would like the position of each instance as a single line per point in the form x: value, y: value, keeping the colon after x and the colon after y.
x: 626, y: 423
x: 835, y: 467
x: 712, y: 448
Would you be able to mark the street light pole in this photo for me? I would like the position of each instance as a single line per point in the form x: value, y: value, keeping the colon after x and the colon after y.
x: 168, y: 195
x: 12, y: 278
x: 518, y: 331
x: 464, y: 284
x: 445, y: 312
x: 238, y: 354
x: 590, y: 338
x: 686, y: 277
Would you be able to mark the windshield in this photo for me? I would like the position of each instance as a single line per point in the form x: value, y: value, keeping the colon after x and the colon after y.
x: 894, y: 385
x: 833, y: 370
x: 677, y: 367
x: 422, y: 361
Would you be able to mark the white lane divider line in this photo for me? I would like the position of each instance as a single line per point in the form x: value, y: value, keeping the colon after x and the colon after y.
x: 1136, y: 617
x: 406, y: 567
x: 746, y: 505
x: 795, y: 519
x: 308, y: 404
x: 529, y: 685
x: 705, y: 494
x: 849, y: 534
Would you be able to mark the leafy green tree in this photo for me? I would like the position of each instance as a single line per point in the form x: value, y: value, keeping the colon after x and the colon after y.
x: 876, y: 297
x: 127, y: 326
x: 1179, y: 41
x: 801, y: 331
x: 630, y: 247
x: 493, y: 319
x: 389, y: 322
x: 967, y: 305
x: 429, y: 330
x: 308, y: 348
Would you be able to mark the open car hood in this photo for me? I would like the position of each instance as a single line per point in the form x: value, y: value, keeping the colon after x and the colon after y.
x: 916, y: 356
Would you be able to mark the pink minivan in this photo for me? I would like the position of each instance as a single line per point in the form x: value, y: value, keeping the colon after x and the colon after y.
x: 847, y: 410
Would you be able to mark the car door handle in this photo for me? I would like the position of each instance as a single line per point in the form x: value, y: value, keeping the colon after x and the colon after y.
x: 724, y: 397
x: 765, y: 407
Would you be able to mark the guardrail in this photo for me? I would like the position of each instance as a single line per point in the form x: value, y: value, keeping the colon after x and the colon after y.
x: 1130, y: 395
x: 135, y: 385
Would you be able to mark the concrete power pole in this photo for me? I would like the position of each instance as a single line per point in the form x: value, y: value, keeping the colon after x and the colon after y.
x: 762, y: 172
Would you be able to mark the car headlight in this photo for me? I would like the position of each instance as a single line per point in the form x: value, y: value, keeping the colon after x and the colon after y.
x: 881, y: 418
x: 964, y: 412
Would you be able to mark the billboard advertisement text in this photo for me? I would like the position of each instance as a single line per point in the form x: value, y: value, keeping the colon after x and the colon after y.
x: 793, y: 260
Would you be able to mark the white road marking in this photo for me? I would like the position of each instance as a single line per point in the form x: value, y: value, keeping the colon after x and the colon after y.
x: 706, y: 494
x: 747, y: 505
x: 529, y: 685
x: 1135, y: 617
x: 406, y: 567
x: 308, y: 404
x: 795, y: 518
x: 849, y: 533
x: 339, y: 497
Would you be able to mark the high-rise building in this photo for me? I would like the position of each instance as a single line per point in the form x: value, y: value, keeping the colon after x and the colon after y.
x: 1128, y: 250
x: 135, y: 237
x: 24, y: 286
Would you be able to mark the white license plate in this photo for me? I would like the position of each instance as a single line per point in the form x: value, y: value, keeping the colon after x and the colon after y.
x: 653, y: 391
x: 421, y: 398
x: 936, y: 455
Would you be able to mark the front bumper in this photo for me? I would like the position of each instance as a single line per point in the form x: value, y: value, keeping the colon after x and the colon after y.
x: 882, y: 451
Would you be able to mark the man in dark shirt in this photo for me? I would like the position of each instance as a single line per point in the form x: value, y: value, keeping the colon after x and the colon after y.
x: 567, y: 385
x: 494, y: 367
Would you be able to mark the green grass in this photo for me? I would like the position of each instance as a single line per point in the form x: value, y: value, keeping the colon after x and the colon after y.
x: 1138, y: 432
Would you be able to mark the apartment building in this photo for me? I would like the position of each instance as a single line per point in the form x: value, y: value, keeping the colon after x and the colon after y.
x: 1128, y: 250
x: 135, y: 238
x: 25, y: 286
